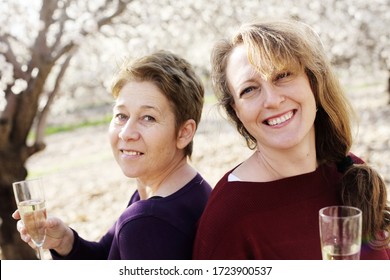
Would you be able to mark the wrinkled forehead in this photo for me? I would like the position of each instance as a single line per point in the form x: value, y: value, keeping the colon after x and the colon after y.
x: 238, y: 66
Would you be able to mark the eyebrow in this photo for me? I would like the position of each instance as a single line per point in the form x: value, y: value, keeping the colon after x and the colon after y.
x: 143, y: 107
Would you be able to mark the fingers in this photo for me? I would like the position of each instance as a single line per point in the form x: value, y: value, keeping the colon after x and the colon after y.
x: 23, y: 234
x: 23, y: 231
x: 51, y: 222
x: 20, y: 227
x: 55, y: 224
x: 16, y: 215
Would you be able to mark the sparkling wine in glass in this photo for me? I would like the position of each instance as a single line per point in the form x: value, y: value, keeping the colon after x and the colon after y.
x: 30, y: 199
x: 340, y: 232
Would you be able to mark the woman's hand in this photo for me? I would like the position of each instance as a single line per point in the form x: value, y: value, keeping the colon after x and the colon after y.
x: 59, y: 236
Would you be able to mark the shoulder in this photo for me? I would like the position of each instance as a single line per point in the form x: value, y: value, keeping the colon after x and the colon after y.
x: 180, y: 210
x: 193, y: 194
x: 141, y: 217
x: 137, y: 209
x: 224, y: 186
x: 222, y: 182
x: 228, y: 197
x: 199, y: 185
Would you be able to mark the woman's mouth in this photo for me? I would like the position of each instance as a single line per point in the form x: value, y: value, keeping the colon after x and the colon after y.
x: 281, y: 119
x: 131, y: 153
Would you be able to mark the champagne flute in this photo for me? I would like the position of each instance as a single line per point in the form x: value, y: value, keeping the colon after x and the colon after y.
x: 340, y: 232
x: 30, y: 199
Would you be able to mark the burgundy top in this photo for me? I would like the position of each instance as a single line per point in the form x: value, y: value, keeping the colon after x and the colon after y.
x: 156, y: 228
x: 270, y: 220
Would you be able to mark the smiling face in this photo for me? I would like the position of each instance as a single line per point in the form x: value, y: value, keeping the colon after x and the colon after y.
x: 278, y: 112
x: 142, y: 132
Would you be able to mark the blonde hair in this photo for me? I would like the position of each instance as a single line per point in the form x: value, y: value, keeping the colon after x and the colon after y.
x: 280, y: 45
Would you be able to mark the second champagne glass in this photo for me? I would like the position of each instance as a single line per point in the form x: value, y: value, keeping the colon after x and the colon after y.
x: 30, y: 199
x: 340, y: 232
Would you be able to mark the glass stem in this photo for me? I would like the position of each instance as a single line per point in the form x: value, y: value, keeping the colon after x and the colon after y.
x: 40, y: 252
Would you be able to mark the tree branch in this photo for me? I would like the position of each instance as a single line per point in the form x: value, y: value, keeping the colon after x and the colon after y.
x: 6, y: 117
x: 64, y: 17
x: 11, y: 58
x: 40, y: 49
x: 42, y: 119
x: 66, y: 49
x: 121, y: 7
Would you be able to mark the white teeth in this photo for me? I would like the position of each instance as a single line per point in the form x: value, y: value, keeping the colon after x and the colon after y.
x: 131, y: 153
x: 280, y: 119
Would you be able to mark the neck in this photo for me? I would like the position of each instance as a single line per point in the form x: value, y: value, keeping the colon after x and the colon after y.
x: 282, y: 163
x: 285, y: 164
x: 172, y: 180
x: 270, y: 164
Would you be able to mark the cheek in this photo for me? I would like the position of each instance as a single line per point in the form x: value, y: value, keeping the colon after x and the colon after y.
x: 312, y: 103
x: 113, y: 135
x: 247, y: 112
x: 237, y: 109
x: 165, y: 144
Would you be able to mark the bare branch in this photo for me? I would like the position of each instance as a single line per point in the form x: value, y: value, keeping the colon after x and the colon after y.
x: 103, y: 7
x: 40, y: 45
x: 42, y: 119
x: 64, y: 17
x: 67, y: 48
x: 11, y: 58
x: 46, y: 15
x: 37, y: 147
x: 121, y: 7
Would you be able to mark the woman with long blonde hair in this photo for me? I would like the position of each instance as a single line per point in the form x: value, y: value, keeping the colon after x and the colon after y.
x: 276, y: 85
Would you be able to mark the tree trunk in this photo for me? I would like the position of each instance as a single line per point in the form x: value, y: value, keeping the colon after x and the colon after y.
x: 18, y: 117
x: 11, y: 169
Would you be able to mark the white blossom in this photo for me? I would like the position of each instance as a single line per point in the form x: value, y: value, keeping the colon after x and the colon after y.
x: 19, y: 86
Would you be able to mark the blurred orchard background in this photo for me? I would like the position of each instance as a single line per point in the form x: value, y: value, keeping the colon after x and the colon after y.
x: 57, y: 59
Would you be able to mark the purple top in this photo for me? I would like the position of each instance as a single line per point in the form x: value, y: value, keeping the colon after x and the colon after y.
x: 156, y: 228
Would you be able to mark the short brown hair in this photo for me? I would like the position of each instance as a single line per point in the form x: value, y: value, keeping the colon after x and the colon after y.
x: 176, y: 79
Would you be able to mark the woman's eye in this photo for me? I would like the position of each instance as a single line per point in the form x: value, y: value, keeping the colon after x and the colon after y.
x: 120, y: 118
x: 148, y: 118
x: 246, y: 90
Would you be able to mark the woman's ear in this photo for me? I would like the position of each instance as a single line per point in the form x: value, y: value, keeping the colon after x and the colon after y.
x: 186, y: 133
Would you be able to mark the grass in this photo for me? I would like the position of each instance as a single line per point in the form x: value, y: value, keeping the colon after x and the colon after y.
x: 58, y: 167
x: 70, y: 127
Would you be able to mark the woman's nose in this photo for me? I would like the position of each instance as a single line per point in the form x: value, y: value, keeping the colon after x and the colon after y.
x: 129, y: 131
x: 273, y: 97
